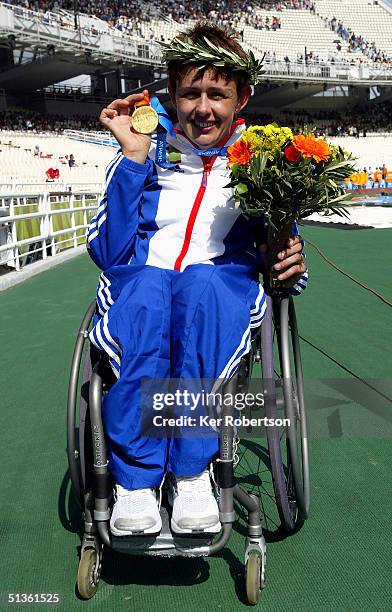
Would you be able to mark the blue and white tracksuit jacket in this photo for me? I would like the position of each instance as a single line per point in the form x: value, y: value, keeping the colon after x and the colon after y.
x: 178, y: 296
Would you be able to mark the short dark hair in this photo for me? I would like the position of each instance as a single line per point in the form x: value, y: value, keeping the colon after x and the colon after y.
x: 218, y: 36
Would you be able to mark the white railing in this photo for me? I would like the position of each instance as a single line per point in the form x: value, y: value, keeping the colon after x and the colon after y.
x: 26, y: 133
x: 15, y: 187
x: 329, y: 72
x: 76, y: 208
x: 100, y: 138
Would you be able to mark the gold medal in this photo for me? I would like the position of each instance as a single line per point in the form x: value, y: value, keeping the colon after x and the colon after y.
x: 145, y: 120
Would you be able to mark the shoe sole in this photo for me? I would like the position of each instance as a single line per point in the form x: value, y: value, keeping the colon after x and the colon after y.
x: 154, y: 530
x: 187, y: 530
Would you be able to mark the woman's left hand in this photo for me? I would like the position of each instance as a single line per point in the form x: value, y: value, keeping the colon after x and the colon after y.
x: 291, y: 263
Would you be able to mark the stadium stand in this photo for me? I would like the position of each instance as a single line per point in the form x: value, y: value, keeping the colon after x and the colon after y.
x: 370, y: 19
x: 27, y: 120
x: 357, y: 43
x: 306, y: 31
x: 23, y: 169
x: 310, y: 48
x: 283, y: 29
x: 359, y: 122
x: 21, y: 132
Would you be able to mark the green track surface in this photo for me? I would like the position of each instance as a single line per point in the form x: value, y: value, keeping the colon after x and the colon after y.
x: 341, y: 559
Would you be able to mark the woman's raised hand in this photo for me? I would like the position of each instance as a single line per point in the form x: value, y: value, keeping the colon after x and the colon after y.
x: 116, y: 118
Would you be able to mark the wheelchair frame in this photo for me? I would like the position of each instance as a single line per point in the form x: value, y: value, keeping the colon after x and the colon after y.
x: 92, y: 484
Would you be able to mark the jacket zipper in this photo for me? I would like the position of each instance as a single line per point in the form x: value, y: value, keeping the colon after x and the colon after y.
x: 207, y: 166
x: 208, y: 162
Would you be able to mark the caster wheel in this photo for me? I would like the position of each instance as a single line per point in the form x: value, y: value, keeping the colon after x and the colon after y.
x: 88, y: 574
x: 253, y: 577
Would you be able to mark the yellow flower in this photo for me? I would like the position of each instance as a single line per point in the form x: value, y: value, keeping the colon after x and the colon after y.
x: 254, y: 128
x: 252, y: 139
x: 268, y: 139
x: 271, y: 132
x: 288, y: 133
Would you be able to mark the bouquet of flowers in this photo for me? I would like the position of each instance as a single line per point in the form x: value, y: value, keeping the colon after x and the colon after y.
x: 287, y: 177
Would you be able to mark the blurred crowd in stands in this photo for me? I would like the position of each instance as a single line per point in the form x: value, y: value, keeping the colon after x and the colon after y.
x: 127, y: 16
x: 179, y: 11
x: 134, y: 18
x: 357, y: 123
x: 131, y: 16
x: 230, y: 13
x: 375, y: 118
x: 356, y: 43
x: 29, y: 121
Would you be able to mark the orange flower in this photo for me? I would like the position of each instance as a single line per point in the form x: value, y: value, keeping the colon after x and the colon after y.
x: 239, y: 153
x: 312, y: 148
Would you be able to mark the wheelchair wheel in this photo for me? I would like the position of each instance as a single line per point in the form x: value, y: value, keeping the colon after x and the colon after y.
x: 288, y: 448
x: 88, y: 573
x: 75, y: 443
x: 254, y: 581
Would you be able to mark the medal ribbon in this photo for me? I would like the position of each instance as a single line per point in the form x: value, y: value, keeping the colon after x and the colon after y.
x: 209, y: 152
x: 166, y: 123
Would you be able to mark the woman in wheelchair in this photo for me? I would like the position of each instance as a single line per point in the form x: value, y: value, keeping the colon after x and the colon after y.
x: 179, y: 293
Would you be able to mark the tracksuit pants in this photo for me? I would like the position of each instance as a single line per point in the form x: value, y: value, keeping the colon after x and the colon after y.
x: 163, y: 324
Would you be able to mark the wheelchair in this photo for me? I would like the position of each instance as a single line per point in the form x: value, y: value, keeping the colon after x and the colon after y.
x: 275, y: 354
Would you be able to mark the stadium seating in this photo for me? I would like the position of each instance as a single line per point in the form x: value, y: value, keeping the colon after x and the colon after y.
x: 21, y: 167
x: 373, y: 20
x: 300, y: 29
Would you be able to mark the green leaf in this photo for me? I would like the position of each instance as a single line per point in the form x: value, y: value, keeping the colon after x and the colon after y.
x: 335, y: 165
x: 287, y: 183
x: 241, y: 189
x: 174, y: 157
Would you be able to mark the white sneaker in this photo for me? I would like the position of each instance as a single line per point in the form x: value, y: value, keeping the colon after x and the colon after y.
x: 194, y: 506
x: 135, y: 512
